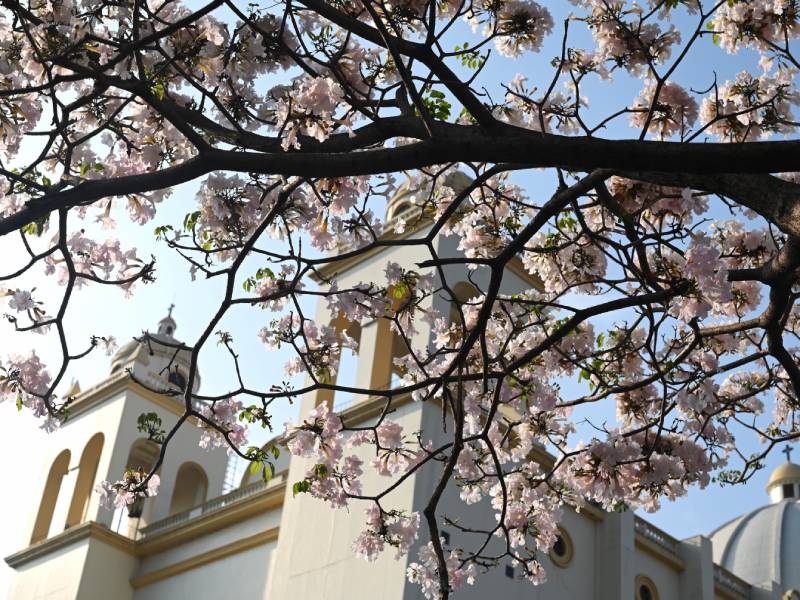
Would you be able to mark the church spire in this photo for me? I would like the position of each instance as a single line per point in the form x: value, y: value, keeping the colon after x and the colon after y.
x: 167, y: 325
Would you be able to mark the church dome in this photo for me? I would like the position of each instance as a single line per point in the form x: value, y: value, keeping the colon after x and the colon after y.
x: 764, y: 544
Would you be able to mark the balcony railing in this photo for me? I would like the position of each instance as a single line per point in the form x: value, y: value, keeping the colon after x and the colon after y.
x: 211, y: 506
x: 657, y: 536
x: 730, y: 582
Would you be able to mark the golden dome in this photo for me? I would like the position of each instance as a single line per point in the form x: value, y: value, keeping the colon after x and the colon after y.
x: 786, y: 472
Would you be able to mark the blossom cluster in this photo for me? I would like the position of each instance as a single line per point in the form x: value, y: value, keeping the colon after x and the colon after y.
x: 134, y: 485
x: 223, y: 414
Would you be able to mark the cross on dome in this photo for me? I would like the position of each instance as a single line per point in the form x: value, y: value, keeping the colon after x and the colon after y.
x: 167, y: 325
x: 787, y: 450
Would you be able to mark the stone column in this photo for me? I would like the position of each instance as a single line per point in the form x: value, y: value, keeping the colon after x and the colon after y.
x: 614, y: 549
x: 697, y: 579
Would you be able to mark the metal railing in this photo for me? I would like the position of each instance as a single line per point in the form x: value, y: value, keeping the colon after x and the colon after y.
x: 657, y: 536
x: 730, y: 582
x: 211, y: 506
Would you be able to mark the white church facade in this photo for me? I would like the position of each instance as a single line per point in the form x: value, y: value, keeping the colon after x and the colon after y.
x: 205, y: 538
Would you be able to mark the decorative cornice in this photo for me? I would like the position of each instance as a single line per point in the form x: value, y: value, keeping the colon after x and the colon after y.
x: 269, y: 498
x: 656, y: 551
x: 337, y: 267
x: 236, y: 547
x: 119, y: 382
x: 71, y: 536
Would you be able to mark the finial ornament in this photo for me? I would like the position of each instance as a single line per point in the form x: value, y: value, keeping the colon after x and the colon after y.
x: 171, y: 306
x: 787, y: 450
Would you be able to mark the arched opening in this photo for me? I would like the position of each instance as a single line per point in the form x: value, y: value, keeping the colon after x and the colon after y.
x: 191, y: 487
x: 645, y: 588
x: 563, y: 550
x: 345, y: 375
x: 400, y: 210
x: 465, y: 295
x: 52, y: 487
x: 348, y: 365
x: 389, y: 345
x: 87, y: 471
x: 177, y: 379
x: 143, y: 455
x: 399, y: 349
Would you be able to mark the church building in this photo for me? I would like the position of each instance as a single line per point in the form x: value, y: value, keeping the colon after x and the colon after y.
x: 211, y: 535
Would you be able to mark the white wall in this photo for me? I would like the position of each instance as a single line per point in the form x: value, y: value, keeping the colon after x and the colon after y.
x: 241, y: 575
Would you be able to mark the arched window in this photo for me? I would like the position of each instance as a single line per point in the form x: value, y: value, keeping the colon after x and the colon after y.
x: 177, y: 379
x: 191, y: 486
x: 52, y: 487
x: 563, y: 550
x: 645, y: 588
x: 143, y: 455
x: 400, y: 210
x: 399, y: 349
x: 389, y: 345
x: 347, y: 364
x: 465, y: 294
x: 87, y: 471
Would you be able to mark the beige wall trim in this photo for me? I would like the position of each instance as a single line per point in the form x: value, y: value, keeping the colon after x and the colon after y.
x: 337, y: 267
x: 268, y: 499
x: 236, y: 547
x: 656, y: 551
x: 361, y: 410
x: 119, y: 382
x: 727, y: 594
x: 69, y: 537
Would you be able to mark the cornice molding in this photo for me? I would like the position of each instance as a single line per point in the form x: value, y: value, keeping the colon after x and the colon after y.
x: 268, y: 499
x: 119, y: 382
x: 656, y: 551
x: 89, y: 530
x: 337, y: 267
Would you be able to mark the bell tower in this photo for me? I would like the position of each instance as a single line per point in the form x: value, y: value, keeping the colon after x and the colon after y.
x: 98, y: 441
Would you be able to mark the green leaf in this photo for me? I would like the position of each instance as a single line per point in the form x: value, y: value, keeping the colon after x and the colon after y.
x: 19, y: 403
x: 159, y: 91
x: 301, y: 487
x: 150, y: 423
x: 190, y: 220
x: 254, y: 467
